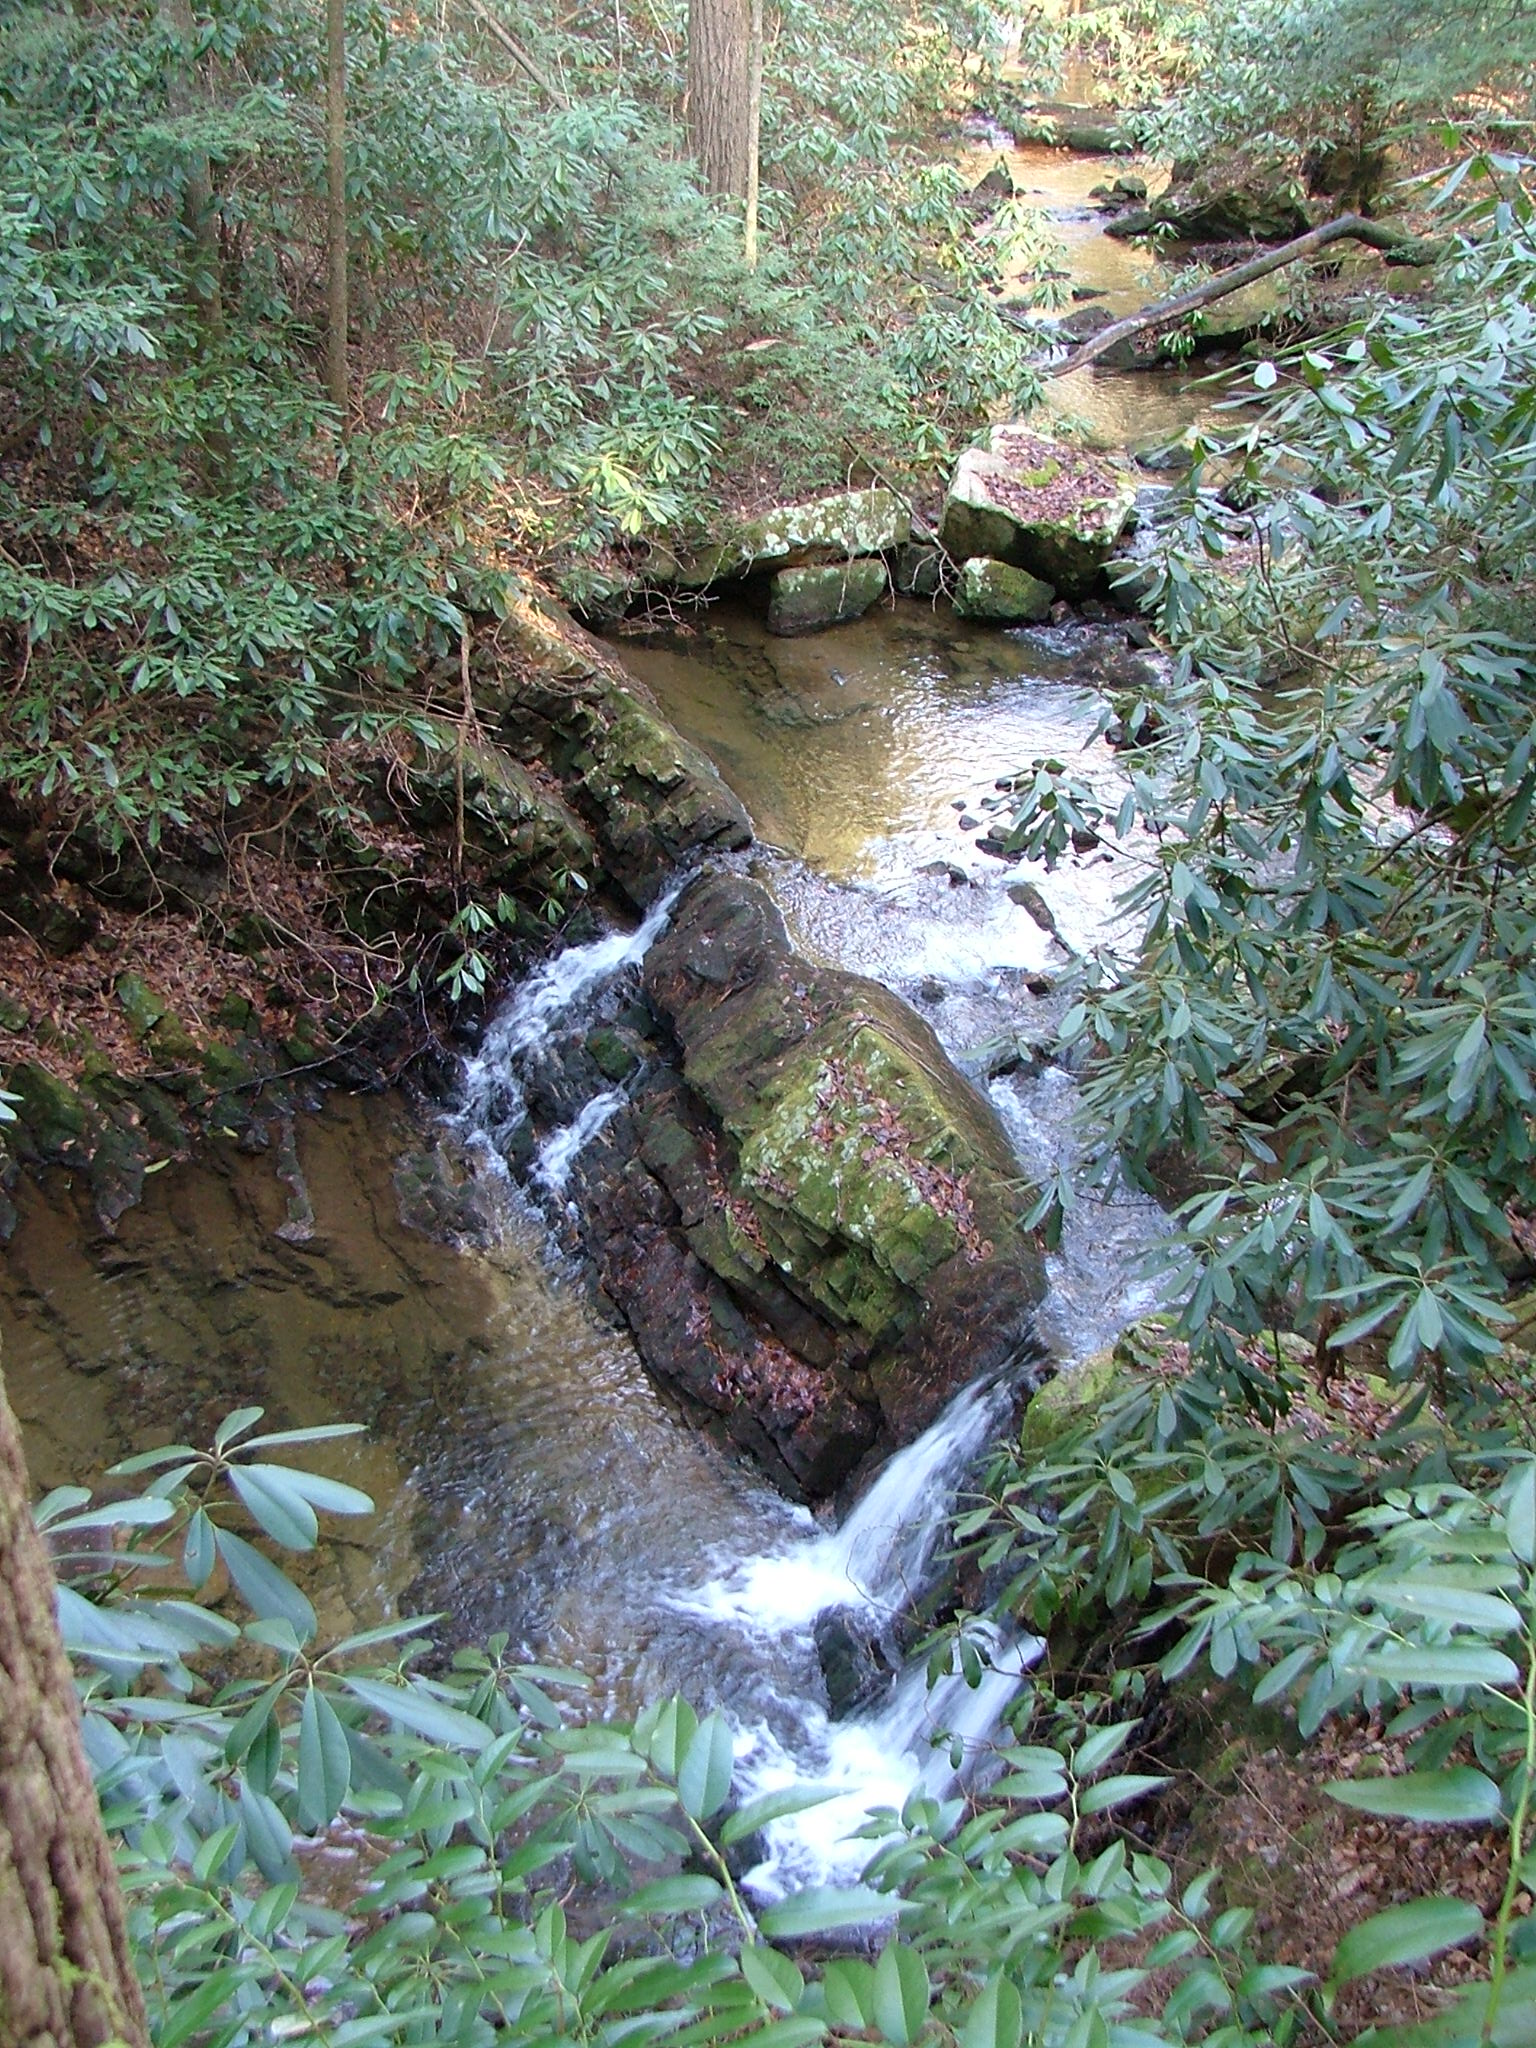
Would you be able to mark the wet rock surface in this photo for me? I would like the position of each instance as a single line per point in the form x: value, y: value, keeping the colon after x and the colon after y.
x: 808, y: 1217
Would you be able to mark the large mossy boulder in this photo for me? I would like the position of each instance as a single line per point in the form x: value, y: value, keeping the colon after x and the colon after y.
x: 834, y: 528
x: 813, y: 1223
x: 1231, y: 213
x: 1039, y: 505
x: 809, y: 600
x: 1000, y: 595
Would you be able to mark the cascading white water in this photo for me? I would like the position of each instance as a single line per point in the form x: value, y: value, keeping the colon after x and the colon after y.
x: 876, y: 1561
x: 555, y: 1157
x: 875, y: 1566
x: 493, y: 1096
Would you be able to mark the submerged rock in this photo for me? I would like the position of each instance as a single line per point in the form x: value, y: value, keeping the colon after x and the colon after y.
x: 992, y: 590
x: 1038, y: 505
x: 809, y: 600
x: 813, y: 1228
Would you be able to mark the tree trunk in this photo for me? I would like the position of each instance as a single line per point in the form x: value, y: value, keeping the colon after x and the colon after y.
x: 1348, y: 227
x: 197, y: 210
x: 754, y: 131
x: 336, y: 206
x: 720, y: 93
x: 66, y: 1980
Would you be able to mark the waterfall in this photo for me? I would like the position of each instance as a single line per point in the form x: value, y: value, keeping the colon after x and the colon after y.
x: 875, y: 1565
x: 742, y: 1625
x: 493, y: 1098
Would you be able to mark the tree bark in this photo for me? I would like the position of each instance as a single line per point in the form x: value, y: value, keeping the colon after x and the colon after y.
x: 66, y: 1980
x: 197, y: 209
x: 336, y: 207
x: 720, y: 93
x: 754, y: 131
x: 1348, y: 227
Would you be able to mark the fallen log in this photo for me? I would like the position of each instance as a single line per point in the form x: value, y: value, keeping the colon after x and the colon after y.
x: 1348, y: 227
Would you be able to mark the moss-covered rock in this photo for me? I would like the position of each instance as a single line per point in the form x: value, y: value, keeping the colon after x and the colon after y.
x: 1252, y: 212
x: 810, y: 599
x: 841, y: 1203
x: 837, y: 527
x: 1039, y: 505
x: 646, y: 796
x: 1006, y: 596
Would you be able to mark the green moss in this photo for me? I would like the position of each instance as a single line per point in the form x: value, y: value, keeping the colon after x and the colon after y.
x: 854, y: 1147
x: 139, y: 1004
x: 993, y: 590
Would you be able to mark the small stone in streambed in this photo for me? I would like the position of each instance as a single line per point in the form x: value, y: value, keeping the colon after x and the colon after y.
x: 996, y: 591
x: 932, y: 990
x: 956, y: 877
x: 1040, y: 984
x: 1084, y: 841
x: 959, y: 804
x: 1029, y: 898
x: 995, y: 847
x: 967, y: 822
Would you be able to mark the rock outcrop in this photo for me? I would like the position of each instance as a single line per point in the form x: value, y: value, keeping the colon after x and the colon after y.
x: 809, y: 1219
x: 1039, y: 505
x: 838, y: 527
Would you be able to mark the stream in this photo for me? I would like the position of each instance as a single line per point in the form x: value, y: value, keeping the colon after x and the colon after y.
x: 530, y: 1476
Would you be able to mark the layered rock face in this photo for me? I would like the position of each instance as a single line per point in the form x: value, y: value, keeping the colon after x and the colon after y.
x: 809, y: 1219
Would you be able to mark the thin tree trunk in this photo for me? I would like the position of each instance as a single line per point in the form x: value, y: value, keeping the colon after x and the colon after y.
x: 336, y: 206
x: 66, y: 1980
x: 1348, y: 227
x: 197, y: 211
x: 754, y: 131
x: 719, y: 92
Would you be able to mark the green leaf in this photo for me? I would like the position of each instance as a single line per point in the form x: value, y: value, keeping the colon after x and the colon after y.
x: 266, y: 1590
x: 325, y: 1761
x: 313, y: 1487
x: 423, y: 1715
x: 1445, y: 1603
x: 1095, y: 1750
x: 1404, y: 1934
x: 1110, y: 1792
x: 996, y: 2020
x: 901, y: 1994
x: 771, y: 1806
x: 1441, y: 1664
x: 824, y: 1908
x: 689, y: 1893
x: 1520, y: 1514
x: 236, y: 1425
x: 269, y: 1835
x: 704, y: 1775
x: 849, y: 1986
x: 1460, y: 1794
x: 774, y: 1978
x: 284, y: 1514
x: 320, y: 1433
